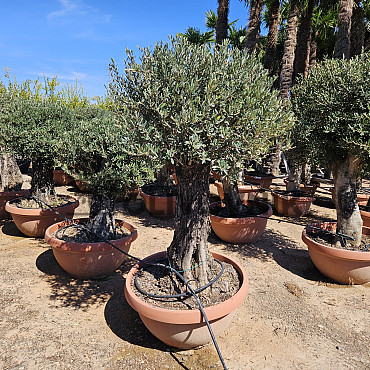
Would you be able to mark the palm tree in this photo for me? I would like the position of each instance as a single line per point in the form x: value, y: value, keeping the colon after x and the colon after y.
x: 222, y: 21
x: 287, y: 69
x: 254, y: 23
x: 357, y: 28
x: 342, y: 46
x: 272, y: 36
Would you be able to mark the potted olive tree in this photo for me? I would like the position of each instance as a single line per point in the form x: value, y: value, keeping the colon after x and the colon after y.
x: 195, y: 107
x: 333, y: 110
x: 100, y: 153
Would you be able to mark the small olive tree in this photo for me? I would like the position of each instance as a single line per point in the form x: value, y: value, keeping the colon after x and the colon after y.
x: 96, y: 150
x: 196, y: 107
x: 333, y: 110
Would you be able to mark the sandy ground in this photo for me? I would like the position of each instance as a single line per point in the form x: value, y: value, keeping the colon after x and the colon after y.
x: 293, y: 317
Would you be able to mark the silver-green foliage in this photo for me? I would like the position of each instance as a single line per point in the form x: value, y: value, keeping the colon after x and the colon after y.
x: 189, y: 103
x: 333, y: 110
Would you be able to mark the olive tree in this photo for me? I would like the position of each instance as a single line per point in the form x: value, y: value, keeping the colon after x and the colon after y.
x: 196, y: 107
x: 333, y: 110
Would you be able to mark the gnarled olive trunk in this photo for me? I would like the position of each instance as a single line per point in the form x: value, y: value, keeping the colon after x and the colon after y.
x: 101, y: 217
x: 42, y: 176
x: 294, y: 179
x: 232, y: 199
x: 10, y: 174
x: 348, y: 212
x: 189, y: 245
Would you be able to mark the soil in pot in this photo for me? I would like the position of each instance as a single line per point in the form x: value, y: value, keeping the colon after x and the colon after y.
x: 160, y: 200
x: 32, y: 218
x: 186, y: 328
x: 294, y: 203
x: 246, y: 228
x: 83, y: 256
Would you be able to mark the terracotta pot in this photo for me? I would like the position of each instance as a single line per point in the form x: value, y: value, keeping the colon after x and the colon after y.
x: 34, y: 221
x: 309, y: 189
x: 241, y: 230
x: 343, y: 266
x: 159, y: 206
x: 89, y: 260
x: 186, y: 328
x: 131, y: 195
x: 263, y: 181
x: 246, y: 192
x: 291, y: 206
x: 216, y: 175
x: 82, y: 186
x: 362, y: 198
x: 8, y: 195
x: 62, y: 178
x: 365, y: 218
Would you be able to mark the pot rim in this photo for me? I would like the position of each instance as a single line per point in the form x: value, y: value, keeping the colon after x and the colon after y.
x: 296, y: 199
x: 39, y: 211
x: 88, y: 247
x: 186, y: 316
x: 240, y: 220
x: 154, y: 196
x: 332, y: 251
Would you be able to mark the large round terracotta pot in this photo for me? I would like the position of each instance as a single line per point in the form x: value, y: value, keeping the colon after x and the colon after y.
x: 62, y: 178
x: 365, y: 218
x: 5, y: 196
x: 246, y: 192
x: 309, y: 189
x: 186, y: 328
x: 343, y: 266
x: 34, y: 221
x: 291, y: 206
x: 263, y: 181
x: 362, y: 198
x: 159, y: 206
x: 241, y: 230
x: 89, y: 260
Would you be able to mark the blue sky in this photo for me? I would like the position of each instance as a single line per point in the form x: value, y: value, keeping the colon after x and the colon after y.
x: 77, y: 38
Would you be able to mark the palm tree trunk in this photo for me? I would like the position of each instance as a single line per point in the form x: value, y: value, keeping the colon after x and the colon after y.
x: 313, y: 57
x: 222, y: 21
x: 302, y: 54
x: 272, y: 36
x: 343, y: 44
x: 286, y: 74
x: 357, y: 29
x: 253, y: 29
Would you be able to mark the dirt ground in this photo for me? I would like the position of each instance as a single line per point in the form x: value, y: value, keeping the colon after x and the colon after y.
x: 293, y: 317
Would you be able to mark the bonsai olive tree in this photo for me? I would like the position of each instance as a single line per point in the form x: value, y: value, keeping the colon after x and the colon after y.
x: 196, y: 107
x: 96, y: 150
x: 333, y: 110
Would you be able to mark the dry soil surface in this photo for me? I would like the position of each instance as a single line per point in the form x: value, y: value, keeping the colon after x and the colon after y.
x: 293, y: 317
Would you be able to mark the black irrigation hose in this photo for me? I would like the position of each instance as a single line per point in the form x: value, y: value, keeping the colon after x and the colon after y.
x: 192, y: 292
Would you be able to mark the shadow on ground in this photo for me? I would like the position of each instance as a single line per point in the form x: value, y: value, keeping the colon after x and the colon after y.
x: 9, y: 228
x: 79, y: 293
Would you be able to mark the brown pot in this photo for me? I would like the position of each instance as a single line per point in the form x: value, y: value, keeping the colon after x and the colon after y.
x: 263, y: 181
x: 159, y: 206
x: 186, y: 328
x: 291, y: 206
x: 131, y: 195
x: 8, y: 195
x: 216, y: 175
x: 34, y: 221
x: 361, y: 197
x: 309, y: 189
x: 82, y: 186
x: 246, y: 192
x: 89, y: 260
x: 365, y: 218
x: 343, y: 266
x: 240, y: 230
x: 62, y: 178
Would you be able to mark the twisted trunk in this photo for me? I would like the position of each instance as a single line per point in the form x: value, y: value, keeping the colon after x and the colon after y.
x: 272, y: 36
x: 232, y: 199
x: 10, y: 174
x: 294, y: 179
x: 348, y: 213
x: 286, y: 74
x: 222, y: 21
x: 343, y: 44
x: 253, y: 29
x: 188, y: 251
x: 42, y: 176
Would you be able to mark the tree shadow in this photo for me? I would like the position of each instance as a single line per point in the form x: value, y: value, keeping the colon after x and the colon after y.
x: 79, y: 293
